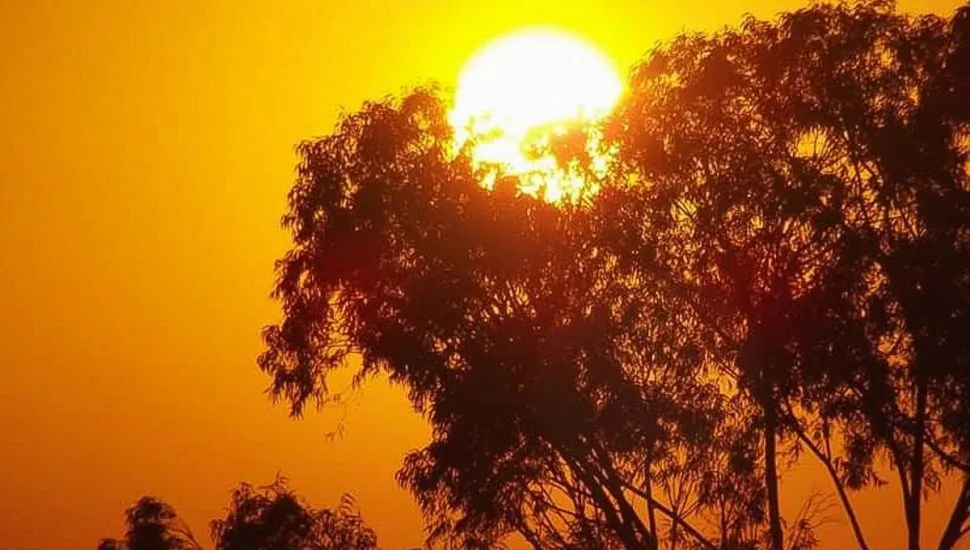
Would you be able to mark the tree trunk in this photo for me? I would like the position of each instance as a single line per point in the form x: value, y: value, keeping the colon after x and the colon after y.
x: 771, y: 476
x: 620, y: 528
x: 954, y: 528
x: 629, y: 516
x: 915, y: 501
x: 651, y: 515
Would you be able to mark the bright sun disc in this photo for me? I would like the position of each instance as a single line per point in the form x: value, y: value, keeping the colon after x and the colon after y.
x: 527, y: 81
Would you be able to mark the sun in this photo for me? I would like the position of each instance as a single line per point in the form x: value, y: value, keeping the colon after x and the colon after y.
x: 526, y: 81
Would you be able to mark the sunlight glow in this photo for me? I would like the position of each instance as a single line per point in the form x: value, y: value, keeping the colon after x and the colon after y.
x: 523, y: 84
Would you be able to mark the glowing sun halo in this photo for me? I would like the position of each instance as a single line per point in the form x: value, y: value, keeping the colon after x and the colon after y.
x: 527, y: 80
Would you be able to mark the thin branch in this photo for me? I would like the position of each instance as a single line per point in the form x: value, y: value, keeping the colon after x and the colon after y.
x: 672, y: 515
x: 840, y: 489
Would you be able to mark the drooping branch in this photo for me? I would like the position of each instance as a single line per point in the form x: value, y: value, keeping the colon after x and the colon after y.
x: 826, y: 461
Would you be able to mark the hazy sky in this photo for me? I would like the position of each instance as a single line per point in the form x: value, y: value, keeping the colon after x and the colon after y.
x: 145, y: 152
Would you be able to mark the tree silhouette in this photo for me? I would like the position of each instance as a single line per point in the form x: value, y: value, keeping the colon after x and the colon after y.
x: 258, y: 518
x: 814, y: 171
x: 775, y: 262
x: 274, y: 518
x: 152, y: 524
x: 810, y: 175
x: 508, y: 331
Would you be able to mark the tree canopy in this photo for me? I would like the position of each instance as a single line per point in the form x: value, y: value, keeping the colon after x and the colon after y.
x: 275, y: 518
x: 272, y: 517
x: 774, y: 265
x: 152, y: 524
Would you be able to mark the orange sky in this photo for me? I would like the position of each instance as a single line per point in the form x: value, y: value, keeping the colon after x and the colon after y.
x: 145, y: 153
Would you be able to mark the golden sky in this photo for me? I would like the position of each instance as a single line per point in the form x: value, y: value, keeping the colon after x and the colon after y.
x: 145, y: 154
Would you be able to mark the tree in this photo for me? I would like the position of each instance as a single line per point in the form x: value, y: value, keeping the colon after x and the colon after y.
x: 274, y: 518
x: 509, y: 331
x: 811, y: 175
x: 259, y: 518
x: 746, y: 284
x: 152, y: 524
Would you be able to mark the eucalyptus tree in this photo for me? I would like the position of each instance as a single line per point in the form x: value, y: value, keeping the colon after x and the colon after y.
x: 800, y: 187
x: 775, y: 262
x: 511, y: 330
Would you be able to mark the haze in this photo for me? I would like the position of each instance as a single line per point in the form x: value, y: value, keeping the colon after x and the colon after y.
x: 146, y: 149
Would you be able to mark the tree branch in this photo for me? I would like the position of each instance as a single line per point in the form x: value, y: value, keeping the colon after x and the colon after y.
x: 672, y: 515
x: 839, y: 486
x: 961, y: 509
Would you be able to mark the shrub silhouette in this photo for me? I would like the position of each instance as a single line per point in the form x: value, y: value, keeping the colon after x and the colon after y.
x: 272, y: 517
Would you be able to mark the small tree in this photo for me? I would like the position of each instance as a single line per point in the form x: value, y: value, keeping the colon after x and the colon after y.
x: 275, y: 518
x: 152, y: 524
x: 259, y: 518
